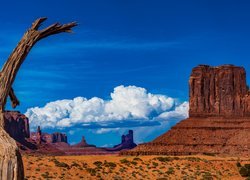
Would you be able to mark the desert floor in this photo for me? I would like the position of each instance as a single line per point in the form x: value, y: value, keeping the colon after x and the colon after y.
x: 131, y: 167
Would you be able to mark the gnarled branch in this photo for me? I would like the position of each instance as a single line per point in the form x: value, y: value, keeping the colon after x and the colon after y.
x: 30, y: 38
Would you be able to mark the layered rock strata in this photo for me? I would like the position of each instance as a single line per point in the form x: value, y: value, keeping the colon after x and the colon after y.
x: 219, y: 117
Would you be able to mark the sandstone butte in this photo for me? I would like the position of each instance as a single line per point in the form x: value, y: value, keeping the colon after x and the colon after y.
x: 219, y: 117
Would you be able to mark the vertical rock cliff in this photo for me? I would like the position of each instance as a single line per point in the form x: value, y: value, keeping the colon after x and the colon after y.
x: 17, y: 125
x: 219, y: 117
x: 217, y: 91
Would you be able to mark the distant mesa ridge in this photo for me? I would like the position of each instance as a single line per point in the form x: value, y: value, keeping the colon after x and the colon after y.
x: 56, y: 137
x: 17, y: 126
x: 219, y: 117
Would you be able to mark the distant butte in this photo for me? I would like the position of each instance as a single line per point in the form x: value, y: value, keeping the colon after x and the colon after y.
x: 219, y: 117
x: 127, y: 142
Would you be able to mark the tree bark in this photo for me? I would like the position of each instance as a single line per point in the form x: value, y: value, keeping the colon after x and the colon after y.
x: 11, y: 166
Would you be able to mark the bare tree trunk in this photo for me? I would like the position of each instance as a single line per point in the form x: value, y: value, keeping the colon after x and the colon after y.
x: 11, y: 166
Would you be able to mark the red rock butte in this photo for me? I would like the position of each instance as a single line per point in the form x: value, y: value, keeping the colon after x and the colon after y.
x: 219, y: 117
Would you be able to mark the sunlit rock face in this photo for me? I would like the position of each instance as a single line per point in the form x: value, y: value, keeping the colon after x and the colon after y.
x: 218, y: 91
x: 219, y: 116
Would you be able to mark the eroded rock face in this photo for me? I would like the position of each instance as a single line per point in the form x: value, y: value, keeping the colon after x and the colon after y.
x: 219, y: 117
x: 17, y: 125
x: 217, y: 91
x: 56, y: 137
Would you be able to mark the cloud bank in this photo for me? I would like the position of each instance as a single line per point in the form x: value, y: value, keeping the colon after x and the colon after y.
x: 128, y: 105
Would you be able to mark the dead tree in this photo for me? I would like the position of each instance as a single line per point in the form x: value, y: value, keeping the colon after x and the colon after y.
x: 11, y: 166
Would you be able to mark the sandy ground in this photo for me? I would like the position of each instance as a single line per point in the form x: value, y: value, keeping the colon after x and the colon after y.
x: 131, y: 167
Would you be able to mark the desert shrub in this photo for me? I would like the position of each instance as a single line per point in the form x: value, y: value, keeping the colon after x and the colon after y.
x: 134, y: 174
x: 60, y: 164
x: 137, y: 159
x: 247, y: 166
x: 238, y: 164
x: 134, y: 163
x: 125, y: 161
x: 84, y: 165
x: 46, y: 175
x: 155, y: 164
x: 111, y: 165
x: 37, y: 169
x: 244, y: 172
x: 193, y: 159
x: 74, y: 164
x: 163, y: 159
x: 98, y: 163
x: 91, y: 171
x: 141, y: 168
x: 122, y: 170
x: 170, y: 171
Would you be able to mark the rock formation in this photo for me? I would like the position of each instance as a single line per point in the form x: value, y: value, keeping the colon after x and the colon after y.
x: 40, y: 137
x: 219, y: 117
x: 218, y: 91
x: 83, y: 143
x: 127, y: 142
x: 16, y: 125
x: 59, y: 137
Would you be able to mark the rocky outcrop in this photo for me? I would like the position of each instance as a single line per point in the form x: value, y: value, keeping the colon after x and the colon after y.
x: 219, y: 121
x: 39, y: 138
x: 83, y: 143
x: 59, y: 137
x: 56, y: 137
x: 218, y: 91
x: 127, y: 142
x: 17, y: 125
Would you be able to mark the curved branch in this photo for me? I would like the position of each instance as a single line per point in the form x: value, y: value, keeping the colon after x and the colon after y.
x: 19, y: 54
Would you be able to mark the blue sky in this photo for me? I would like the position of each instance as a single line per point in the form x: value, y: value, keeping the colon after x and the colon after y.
x: 141, y: 43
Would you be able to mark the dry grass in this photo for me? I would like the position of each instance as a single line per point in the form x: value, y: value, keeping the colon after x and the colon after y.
x: 141, y: 167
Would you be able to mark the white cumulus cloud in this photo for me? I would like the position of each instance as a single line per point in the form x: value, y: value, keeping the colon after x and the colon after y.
x: 127, y: 103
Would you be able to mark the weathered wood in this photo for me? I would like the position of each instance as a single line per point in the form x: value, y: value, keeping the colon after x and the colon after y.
x: 11, y: 166
x: 14, y: 101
